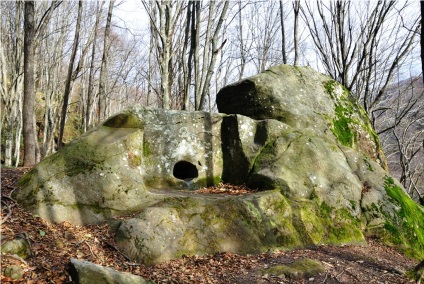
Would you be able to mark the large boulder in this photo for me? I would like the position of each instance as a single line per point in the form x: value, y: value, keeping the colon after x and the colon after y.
x: 112, y: 170
x: 292, y: 134
x: 306, y: 100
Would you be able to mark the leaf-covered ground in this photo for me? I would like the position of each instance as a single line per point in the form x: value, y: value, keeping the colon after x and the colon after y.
x: 52, y: 245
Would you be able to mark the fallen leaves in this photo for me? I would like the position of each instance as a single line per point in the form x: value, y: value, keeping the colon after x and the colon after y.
x: 226, y: 188
x: 52, y: 246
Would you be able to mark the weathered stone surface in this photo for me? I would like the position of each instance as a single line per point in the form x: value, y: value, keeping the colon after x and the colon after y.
x: 312, y: 157
x: 110, y: 170
x: 19, y: 246
x: 306, y: 100
x: 186, y: 224
x: 295, y: 270
x: 14, y: 271
x: 85, y: 272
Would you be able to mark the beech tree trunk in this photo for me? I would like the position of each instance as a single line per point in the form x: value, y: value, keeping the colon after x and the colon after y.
x: 103, y: 71
x: 29, y: 91
x: 69, y: 76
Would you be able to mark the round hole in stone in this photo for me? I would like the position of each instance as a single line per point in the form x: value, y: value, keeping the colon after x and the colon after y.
x: 185, y: 170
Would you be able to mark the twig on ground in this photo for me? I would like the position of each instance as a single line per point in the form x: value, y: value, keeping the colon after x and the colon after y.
x: 115, y: 248
x: 9, y: 211
x: 9, y: 196
x: 85, y: 242
x: 338, y: 276
x: 14, y: 256
x: 325, y: 279
x: 353, y: 275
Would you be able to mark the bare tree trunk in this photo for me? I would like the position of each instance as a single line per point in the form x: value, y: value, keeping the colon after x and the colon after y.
x: 169, y: 13
x: 422, y: 39
x: 150, y: 72
x: 215, y: 50
x: 243, y: 45
x: 29, y: 91
x: 69, y: 76
x: 195, y: 35
x: 188, y: 65
x: 283, y: 34
x: 103, y: 71
x: 18, y: 133
x: 90, y: 96
x: 296, y: 8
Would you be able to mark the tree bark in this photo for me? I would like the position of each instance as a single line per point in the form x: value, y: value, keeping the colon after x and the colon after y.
x: 296, y: 8
x: 422, y: 40
x: 103, y: 70
x: 188, y: 65
x: 29, y: 90
x: 88, y: 117
x: 283, y: 34
x: 215, y: 50
x: 69, y: 76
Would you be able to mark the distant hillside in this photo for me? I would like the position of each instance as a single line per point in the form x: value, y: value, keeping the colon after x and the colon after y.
x: 399, y: 121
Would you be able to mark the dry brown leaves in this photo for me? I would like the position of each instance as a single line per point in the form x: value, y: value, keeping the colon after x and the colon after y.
x: 226, y: 188
x: 52, y: 246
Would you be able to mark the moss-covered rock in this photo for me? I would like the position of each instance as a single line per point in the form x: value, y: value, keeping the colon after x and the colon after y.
x: 306, y: 100
x: 191, y: 225
x: 306, y: 147
x: 295, y: 270
x: 19, y: 246
x: 14, y: 271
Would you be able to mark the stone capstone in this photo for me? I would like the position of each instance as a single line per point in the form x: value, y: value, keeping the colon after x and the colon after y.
x: 292, y: 134
x: 305, y: 100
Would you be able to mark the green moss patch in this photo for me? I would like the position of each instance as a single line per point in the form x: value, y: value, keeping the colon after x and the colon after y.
x: 406, y: 228
x: 324, y: 224
x: 295, y: 270
x: 351, y: 125
x: 341, y: 127
x: 343, y: 122
x: 124, y: 120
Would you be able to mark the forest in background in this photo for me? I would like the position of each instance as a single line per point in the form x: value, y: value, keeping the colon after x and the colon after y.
x: 65, y: 66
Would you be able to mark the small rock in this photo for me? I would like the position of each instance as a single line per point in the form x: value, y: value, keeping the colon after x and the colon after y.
x: 18, y: 246
x: 85, y: 272
x: 15, y: 272
x: 296, y: 270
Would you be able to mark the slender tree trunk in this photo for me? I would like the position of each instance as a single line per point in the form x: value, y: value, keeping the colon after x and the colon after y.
x: 187, y: 67
x: 283, y: 34
x: 88, y: 118
x: 422, y: 40
x: 29, y: 91
x: 18, y: 133
x: 165, y: 19
x: 69, y: 76
x: 150, y: 74
x: 103, y: 70
x: 296, y: 8
x: 242, y: 44
x: 215, y: 51
x: 195, y: 34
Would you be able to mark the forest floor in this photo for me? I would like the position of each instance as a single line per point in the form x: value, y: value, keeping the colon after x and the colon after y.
x: 52, y: 246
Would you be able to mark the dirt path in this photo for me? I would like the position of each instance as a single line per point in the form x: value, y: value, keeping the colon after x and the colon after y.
x: 52, y: 246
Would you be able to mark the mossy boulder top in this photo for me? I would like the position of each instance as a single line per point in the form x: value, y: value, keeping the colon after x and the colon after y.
x: 314, y: 184
x: 306, y: 100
